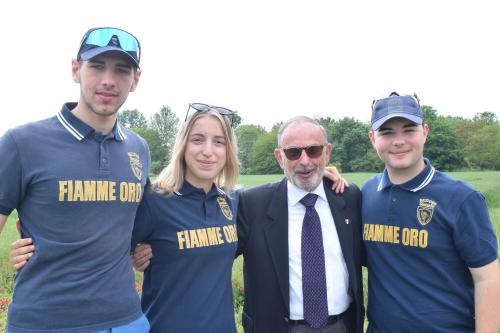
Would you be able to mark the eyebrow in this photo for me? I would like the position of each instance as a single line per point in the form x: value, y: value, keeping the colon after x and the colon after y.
x: 203, y: 135
x: 120, y: 64
x: 95, y: 61
x: 125, y: 65
x: 411, y: 124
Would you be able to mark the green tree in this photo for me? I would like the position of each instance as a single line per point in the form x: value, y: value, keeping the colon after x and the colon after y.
x: 247, y: 136
x: 464, y: 132
x: 156, y: 149
x: 329, y: 124
x: 262, y: 160
x: 484, y: 148
x: 276, y: 127
x: 486, y: 117
x: 351, y: 148
x: 165, y: 123
x: 236, y: 120
x: 478, y: 138
x: 442, y: 146
x: 454, y: 121
x: 369, y: 163
x: 132, y: 119
x: 430, y: 114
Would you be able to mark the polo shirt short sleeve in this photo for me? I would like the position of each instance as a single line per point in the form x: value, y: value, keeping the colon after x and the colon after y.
x: 473, y: 233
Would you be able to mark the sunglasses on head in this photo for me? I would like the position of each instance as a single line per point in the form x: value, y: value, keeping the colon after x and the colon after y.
x: 294, y: 153
x: 102, y: 36
x: 201, y: 107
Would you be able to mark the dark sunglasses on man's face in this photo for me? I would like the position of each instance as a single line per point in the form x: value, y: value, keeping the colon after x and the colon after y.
x: 294, y: 153
x: 201, y: 107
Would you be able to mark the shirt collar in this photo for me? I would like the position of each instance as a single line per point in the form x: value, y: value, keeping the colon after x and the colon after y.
x: 81, y: 130
x: 188, y: 189
x: 413, y: 185
x: 295, y: 194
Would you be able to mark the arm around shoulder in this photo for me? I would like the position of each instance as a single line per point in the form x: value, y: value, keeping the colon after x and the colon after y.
x: 353, y: 194
x: 144, y: 222
x: 242, y: 226
x: 251, y: 203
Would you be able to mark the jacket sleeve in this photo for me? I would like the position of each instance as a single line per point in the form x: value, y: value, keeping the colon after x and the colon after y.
x: 242, y: 223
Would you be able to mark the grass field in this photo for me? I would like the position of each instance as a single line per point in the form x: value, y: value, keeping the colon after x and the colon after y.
x: 487, y: 182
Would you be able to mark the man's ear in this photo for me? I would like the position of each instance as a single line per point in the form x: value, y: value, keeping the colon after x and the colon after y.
x: 137, y: 75
x: 425, y: 128
x: 328, y: 152
x: 279, y: 158
x: 75, y: 70
x: 371, y: 135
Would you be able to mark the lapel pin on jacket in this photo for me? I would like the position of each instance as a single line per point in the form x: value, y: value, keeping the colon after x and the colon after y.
x: 347, y: 221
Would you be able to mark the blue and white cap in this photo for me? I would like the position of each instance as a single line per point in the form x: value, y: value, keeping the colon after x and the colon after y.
x: 406, y: 106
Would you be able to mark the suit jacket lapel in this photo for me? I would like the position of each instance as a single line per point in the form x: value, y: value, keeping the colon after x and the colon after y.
x: 344, y: 227
x: 276, y: 232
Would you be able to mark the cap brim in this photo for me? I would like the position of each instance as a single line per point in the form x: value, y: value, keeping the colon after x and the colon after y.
x: 379, y: 122
x: 94, y: 52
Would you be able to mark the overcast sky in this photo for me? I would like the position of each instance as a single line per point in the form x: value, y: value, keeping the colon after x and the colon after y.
x: 269, y: 60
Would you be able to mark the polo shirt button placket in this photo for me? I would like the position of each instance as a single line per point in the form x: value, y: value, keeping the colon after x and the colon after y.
x: 103, y: 152
x: 392, y: 208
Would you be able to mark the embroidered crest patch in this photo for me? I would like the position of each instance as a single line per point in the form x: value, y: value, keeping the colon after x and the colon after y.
x: 224, y: 207
x: 135, y: 164
x: 425, y: 210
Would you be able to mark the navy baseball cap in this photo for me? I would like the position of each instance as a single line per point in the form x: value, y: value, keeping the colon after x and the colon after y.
x: 97, y: 41
x: 406, y: 106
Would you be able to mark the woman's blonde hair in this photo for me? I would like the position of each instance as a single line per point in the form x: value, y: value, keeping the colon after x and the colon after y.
x: 171, y: 177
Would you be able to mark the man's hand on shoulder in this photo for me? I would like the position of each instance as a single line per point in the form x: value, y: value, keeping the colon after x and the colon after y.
x: 339, y: 183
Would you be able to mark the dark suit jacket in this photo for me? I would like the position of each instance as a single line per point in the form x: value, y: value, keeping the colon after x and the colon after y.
x: 263, y: 241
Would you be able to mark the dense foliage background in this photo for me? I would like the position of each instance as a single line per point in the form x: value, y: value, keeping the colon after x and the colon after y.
x: 454, y: 143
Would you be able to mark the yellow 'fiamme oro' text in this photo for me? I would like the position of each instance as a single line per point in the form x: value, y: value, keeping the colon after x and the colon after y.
x: 99, y: 190
x: 396, y: 235
x: 212, y: 236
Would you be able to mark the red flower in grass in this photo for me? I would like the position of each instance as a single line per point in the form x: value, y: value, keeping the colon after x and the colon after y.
x: 4, y: 304
x: 138, y: 287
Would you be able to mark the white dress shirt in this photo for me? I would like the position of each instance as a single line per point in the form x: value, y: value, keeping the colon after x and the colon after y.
x: 337, y: 278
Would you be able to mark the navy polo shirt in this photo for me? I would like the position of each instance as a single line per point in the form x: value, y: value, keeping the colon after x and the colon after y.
x: 421, y: 237
x: 187, y: 287
x: 76, y: 192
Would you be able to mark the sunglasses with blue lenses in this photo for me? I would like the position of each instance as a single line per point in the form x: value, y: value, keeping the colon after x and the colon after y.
x: 201, y: 107
x: 102, y: 36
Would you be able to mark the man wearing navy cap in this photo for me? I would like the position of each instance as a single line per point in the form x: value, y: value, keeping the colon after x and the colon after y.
x: 430, y: 246
x: 76, y: 180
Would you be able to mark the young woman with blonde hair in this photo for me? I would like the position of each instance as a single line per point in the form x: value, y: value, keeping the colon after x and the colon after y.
x: 189, y: 218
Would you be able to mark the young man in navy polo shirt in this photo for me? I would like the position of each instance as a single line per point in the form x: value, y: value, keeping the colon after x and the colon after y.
x: 76, y: 180
x: 431, y: 249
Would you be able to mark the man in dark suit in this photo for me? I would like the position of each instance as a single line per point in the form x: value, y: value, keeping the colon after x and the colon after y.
x: 300, y: 279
